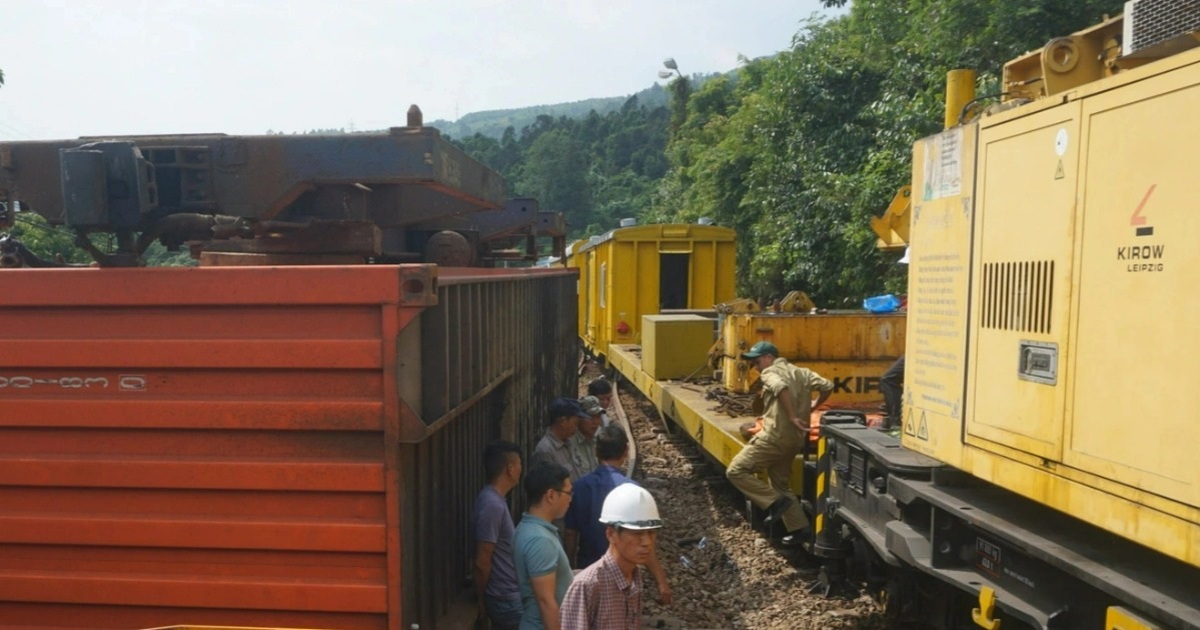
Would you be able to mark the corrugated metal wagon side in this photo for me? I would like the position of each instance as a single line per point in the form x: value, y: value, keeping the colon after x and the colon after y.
x: 498, y: 347
x: 288, y: 447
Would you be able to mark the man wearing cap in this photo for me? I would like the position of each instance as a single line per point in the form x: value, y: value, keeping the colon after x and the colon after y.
x: 583, y: 443
x: 555, y: 445
x: 608, y: 594
x: 602, y: 389
x: 787, y: 404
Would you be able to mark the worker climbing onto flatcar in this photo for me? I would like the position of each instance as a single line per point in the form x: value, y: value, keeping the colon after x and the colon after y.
x: 787, y: 407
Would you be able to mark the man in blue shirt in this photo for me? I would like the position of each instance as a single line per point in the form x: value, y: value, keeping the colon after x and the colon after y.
x: 543, y: 572
x: 496, y: 587
x: 586, y: 541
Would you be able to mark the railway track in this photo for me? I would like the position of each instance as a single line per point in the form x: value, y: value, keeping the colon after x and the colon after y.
x: 724, y: 574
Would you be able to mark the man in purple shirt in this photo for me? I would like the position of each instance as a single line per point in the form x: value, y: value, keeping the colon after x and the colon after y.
x: 496, y: 586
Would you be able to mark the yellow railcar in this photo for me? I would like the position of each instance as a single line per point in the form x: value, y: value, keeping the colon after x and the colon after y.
x: 645, y: 269
x: 1046, y: 477
x: 1065, y: 354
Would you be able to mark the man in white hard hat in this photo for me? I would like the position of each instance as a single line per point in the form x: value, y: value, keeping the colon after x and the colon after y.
x: 608, y: 594
x: 586, y: 539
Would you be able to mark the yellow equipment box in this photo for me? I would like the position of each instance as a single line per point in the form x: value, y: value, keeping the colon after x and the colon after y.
x: 853, y: 349
x: 676, y: 346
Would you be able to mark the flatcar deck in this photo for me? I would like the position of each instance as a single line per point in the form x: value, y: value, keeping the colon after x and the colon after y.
x: 685, y: 404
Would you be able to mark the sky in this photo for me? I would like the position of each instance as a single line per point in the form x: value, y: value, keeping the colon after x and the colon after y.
x: 119, y: 67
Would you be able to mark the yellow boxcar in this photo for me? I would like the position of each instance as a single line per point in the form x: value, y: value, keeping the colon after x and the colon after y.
x: 642, y: 270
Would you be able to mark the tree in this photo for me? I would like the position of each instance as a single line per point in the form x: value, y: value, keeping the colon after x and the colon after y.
x: 555, y: 172
x: 46, y: 241
x: 812, y: 143
x: 597, y: 168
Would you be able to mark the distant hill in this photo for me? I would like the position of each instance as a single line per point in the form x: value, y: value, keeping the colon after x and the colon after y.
x: 493, y: 123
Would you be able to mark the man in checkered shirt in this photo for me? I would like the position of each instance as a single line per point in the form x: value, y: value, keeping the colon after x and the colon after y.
x: 608, y: 594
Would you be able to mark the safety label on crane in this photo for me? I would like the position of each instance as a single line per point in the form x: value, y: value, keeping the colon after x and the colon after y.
x: 943, y: 165
x: 918, y: 430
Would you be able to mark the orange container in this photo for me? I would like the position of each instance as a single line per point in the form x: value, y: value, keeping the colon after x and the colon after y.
x: 290, y: 447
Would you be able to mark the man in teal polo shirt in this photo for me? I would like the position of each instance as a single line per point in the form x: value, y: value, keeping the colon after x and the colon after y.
x: 543, y: 571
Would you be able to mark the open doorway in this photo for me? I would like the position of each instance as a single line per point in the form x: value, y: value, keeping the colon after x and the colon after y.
x: 673, y: 281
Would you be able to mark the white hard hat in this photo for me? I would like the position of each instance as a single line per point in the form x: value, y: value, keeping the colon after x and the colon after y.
x: 629, y: 506
x: 904, y: 260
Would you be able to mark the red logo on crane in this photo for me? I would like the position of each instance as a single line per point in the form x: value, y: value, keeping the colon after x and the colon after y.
x: 1139, y: 221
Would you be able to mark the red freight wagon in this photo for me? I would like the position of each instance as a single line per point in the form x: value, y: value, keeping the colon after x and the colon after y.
x: 260, y: 446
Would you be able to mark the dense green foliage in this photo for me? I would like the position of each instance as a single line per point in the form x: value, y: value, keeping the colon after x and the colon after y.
x: 493, y: 123
x: 58, y: 244
x: 596, y: 169
x: 50, y: 243
x: 813, y: 142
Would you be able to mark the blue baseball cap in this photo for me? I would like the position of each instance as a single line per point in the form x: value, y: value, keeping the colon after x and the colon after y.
x: 759, y: 349
x: 566, y: 407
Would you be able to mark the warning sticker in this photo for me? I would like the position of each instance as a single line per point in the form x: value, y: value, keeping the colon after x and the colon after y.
x: 918, y: 429
x: 943, y: 165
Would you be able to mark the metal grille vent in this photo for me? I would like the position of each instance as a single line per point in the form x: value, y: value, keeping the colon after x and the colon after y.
x: 1018, y: 296
x: 858, y: 469
x: 1149, y: 23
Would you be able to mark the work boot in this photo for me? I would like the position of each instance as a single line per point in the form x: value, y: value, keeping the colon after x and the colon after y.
x: 797, y: 537
x: 775, y: 510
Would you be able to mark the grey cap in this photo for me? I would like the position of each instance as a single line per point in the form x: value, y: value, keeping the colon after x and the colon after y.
x: 591, y: 405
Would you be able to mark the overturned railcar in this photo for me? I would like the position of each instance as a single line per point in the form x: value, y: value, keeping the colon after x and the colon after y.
x: 260, y: 446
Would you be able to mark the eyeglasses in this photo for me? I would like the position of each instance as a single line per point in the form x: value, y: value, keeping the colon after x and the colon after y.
x: 566, y: 492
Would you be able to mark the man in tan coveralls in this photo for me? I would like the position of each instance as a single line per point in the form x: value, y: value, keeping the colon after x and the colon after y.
x: 787, y: 404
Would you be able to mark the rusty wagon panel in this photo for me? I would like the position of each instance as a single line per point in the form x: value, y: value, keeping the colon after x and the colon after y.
x: 288, y: 447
